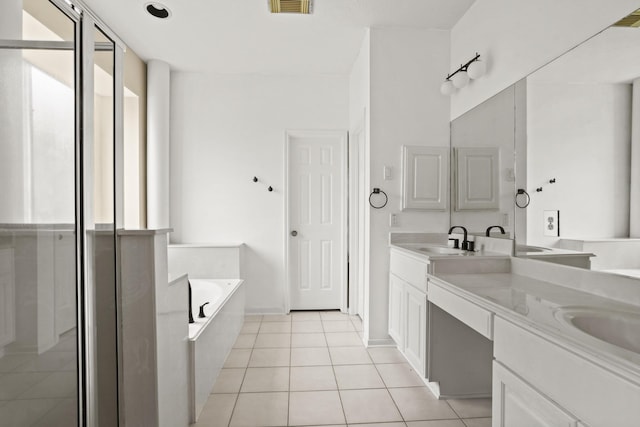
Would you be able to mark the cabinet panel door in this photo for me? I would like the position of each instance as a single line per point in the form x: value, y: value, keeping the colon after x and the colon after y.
x: 415, y: 336
x: 7, y: 298
x: 396, y: 289
x: 425, y: 177
x: 516, y: 404
x: 477, y: 173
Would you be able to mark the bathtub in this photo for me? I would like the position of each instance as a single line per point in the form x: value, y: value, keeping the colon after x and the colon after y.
x: 211, y: 338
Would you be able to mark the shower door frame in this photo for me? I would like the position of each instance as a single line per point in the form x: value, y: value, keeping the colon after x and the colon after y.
x: 83, y: 45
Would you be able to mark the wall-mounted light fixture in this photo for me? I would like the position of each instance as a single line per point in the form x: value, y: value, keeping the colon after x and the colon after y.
x: 473, y: 69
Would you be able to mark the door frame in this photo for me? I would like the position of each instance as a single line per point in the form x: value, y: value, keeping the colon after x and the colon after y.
x: 356, y: 214
x: 344, y: 135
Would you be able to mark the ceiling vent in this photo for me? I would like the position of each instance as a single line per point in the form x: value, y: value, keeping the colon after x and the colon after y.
x: 291, y: 6
x: 632, y: 20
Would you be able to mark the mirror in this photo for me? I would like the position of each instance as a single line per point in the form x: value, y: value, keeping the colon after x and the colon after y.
x: 489, y: 127
x: 576, y: 145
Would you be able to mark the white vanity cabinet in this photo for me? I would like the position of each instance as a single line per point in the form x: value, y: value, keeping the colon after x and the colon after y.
x: 7, y: 298
x: 557, y: 385
x: 396, y: 292
x: 408, y: 307
x: 517, y: 404
x: 415, y: 333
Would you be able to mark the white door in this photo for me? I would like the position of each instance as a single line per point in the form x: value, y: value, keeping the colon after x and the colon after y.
x: 316, y: 219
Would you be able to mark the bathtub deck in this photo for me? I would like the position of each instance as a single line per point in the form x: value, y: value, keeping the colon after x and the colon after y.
x: 311, y: 368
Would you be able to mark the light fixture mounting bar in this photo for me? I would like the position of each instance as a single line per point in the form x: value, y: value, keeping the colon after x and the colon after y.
x: 464, y: 67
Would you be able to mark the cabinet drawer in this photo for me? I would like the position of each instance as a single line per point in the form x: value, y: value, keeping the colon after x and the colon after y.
x: 467, y: 312
x: 409, y: 269
x: 595, y: 395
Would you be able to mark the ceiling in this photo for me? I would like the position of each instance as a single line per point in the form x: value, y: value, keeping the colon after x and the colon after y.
x: 241, y: 36
x: 608, y: 57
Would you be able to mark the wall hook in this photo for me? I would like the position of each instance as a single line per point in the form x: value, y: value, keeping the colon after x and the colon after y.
x: 539, y: 189
x: 552, y: 181
x: 270, y: 188
x: 255, y: 179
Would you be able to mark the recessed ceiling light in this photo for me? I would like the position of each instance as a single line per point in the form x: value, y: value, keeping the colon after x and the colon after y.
x: 158, y: 10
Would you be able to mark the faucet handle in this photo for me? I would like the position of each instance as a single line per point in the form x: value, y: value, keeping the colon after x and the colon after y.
x: 468, y: 245
x: 456, y: 243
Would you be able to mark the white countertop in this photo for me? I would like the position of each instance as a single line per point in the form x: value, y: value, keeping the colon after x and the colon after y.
x: 414, y: 249
x: 534, y: 304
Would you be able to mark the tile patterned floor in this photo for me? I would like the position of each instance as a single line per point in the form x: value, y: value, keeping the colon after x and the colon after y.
x: 40, y: 390
x: 311, y: 369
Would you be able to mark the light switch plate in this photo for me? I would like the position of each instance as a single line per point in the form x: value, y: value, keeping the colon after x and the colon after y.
x: 388, y: 175
x: 552, y: 223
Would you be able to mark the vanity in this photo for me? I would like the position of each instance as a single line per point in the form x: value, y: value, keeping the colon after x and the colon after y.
x: 547, y: 341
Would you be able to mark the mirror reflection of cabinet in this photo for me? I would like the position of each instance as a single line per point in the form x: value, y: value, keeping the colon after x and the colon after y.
x: 476, y: 178
x: 7, y: 297
x: 425, y: 177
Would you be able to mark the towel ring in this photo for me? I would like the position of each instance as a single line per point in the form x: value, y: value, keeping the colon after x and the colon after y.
x: 378, y: 191
x: 527, y: 199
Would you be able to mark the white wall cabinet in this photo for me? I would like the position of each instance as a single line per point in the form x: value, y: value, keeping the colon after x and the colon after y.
x: 517, y: 404
x: 7, y: 298
x: 477, y: 178
x: 425, y: 177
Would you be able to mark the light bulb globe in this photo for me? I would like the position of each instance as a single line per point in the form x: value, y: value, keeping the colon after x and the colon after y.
x: 477, y: 69
x: 460, y: 80
x: 447, y: 88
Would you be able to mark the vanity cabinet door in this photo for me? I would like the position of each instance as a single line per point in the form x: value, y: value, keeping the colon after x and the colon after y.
x: 415, y: 328
x: 396, y: 291
x: 517, y: 404
x: 7, y: 298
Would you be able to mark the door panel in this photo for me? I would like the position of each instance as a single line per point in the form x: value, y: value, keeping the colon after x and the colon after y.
x: 317, y: 215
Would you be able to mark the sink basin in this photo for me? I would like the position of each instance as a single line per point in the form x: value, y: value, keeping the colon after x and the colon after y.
x: 620, y: 328
x: 526, y: 248
x: 440, y: 250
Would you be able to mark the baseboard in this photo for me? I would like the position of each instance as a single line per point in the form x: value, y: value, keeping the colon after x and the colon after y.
x: 387, y: 342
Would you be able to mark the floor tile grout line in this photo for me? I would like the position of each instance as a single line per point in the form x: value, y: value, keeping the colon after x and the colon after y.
x: 241, y: 383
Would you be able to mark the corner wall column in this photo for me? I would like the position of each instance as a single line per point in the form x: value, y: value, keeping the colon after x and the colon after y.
x: 158, y: 138
x: 634, y: 196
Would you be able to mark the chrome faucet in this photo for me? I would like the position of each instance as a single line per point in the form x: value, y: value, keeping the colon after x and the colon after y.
x: 466, y: 244
x: 495, y: 226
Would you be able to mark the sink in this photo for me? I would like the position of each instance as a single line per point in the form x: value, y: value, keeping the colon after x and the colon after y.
x: 440, y: 250
x: 526, y: 248
x: 620, y: 328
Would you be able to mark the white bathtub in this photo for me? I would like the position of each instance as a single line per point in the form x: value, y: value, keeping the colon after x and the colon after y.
x: 211, y: 338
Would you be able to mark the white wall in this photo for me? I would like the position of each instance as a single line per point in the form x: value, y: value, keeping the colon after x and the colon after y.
x: 517, y: 37
x: 226, y: 129
x: 579, y: 134
x: 406, y: 109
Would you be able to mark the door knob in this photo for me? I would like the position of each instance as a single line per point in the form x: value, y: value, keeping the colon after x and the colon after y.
x: 294, y: 233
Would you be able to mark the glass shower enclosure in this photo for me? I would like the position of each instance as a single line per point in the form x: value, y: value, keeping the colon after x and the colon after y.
x: 60, y: 129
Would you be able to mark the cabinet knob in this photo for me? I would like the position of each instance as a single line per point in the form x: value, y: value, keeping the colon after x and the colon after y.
x: 294, y: 233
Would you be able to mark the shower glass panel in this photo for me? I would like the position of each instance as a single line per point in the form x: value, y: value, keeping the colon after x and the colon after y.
x: 38, y: 280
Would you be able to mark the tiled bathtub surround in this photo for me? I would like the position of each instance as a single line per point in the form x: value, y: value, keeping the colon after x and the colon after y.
x: 311, y: 368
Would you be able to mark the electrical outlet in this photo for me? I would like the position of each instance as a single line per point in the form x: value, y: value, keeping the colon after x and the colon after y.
x: 505, y: 219
x: 552, y: 223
